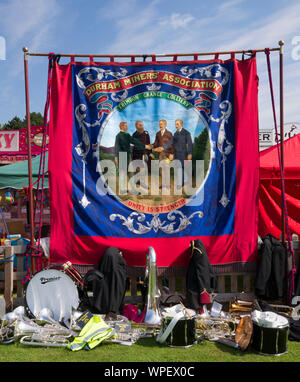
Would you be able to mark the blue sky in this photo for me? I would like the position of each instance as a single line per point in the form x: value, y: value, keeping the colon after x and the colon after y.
x: 146, y: 27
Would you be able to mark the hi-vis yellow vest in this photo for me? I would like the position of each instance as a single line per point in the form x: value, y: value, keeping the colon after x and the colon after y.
x: 92, y: 334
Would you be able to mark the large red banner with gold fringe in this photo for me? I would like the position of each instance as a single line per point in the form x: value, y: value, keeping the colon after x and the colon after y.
x: 216, y: 104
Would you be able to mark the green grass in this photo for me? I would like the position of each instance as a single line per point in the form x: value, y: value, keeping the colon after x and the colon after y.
x: 144, y: 350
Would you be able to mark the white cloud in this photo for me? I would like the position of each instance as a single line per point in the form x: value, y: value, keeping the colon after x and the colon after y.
x: 229, y: 4
x: 22, y: 18
x: 146, y: 29
x: 262, y: 32
x: 177, y: 20
x: 30, y: 23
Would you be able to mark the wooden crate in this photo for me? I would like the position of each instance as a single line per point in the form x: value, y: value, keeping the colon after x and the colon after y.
x: 9, y: 277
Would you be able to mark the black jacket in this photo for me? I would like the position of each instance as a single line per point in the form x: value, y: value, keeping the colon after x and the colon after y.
x: 109, y: 292
x: 271, y: 270
x: 200, y: 279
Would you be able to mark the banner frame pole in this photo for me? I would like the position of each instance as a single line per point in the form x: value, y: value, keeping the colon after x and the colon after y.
x: 30, y: 191
x: 157, y: 55
x: 281, y: 43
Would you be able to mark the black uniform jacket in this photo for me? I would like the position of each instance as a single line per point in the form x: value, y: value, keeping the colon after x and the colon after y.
x: 200, y: 280
x: 270, y: 274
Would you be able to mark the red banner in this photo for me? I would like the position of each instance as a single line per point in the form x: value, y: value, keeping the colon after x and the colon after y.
x: 217, y: 100
x: 13, y: 144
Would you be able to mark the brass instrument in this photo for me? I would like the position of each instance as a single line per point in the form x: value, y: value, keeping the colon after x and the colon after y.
x: 232, y: 332
x: 213, y: 328
x: 29, y: 333
x: 6, y: 334
x: 240, y: 307
x: 283, y: 309
x: 152, y: 315
x: 45, y: 315
x: 18, y: 312
x: 45, y: 339
x: 43, y: 331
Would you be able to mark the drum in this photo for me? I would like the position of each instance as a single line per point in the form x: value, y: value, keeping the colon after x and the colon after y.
x: 271, y: 341
x: 182, y: 334
x: 270, y: 333
x: 52, y: 289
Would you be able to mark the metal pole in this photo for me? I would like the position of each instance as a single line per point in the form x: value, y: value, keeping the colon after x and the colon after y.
x: 281, y: 43
x: 156, y: 55
x: 30, y: 192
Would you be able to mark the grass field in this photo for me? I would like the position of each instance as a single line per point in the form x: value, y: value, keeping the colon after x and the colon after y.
x: 144, y: 350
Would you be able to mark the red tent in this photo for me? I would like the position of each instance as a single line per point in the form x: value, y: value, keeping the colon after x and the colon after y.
x: 270, y: 188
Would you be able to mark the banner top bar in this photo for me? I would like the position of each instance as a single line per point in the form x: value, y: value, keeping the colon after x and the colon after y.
x: 281, y: 43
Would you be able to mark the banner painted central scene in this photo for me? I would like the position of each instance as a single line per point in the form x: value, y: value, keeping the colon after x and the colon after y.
x: 154, y: 154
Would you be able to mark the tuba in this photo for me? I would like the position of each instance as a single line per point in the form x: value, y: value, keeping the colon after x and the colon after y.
x: 152, y: 315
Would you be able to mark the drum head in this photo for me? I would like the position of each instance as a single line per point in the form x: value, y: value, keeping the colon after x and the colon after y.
x: 54, y: 290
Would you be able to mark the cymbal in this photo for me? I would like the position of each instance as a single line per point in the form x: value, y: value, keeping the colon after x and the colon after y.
x: 243, y: 333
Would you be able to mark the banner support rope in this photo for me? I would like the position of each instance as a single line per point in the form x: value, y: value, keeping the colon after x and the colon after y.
x: 286, y: 231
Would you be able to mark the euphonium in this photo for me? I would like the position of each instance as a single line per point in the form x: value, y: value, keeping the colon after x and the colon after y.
x: 46, y: 315
x: 25, y: 327
x: 18, y: 312
x: 152, y: 311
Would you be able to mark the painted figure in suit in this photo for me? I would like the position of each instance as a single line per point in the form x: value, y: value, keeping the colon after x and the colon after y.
x: 162, y: 138
x: 123, y: 144
x: 143, y: 136
x: 142, y: 155
x: 183, y: 146
x: 124, y: 140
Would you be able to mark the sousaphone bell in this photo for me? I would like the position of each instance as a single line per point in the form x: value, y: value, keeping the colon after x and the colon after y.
x: 152, y: 316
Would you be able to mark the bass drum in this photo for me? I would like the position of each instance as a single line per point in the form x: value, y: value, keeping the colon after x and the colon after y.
x: 52, y: 289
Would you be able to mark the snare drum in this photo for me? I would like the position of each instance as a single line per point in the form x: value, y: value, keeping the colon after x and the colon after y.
x: 183, y: 334
x: 271, y: 341
x: 270, y: 333
x: 52, y: 289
